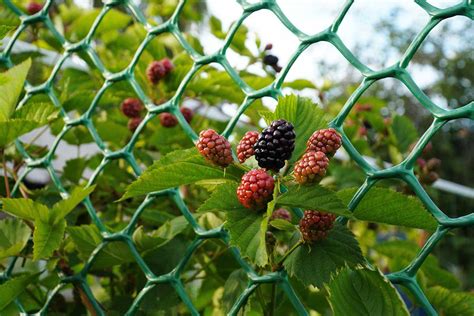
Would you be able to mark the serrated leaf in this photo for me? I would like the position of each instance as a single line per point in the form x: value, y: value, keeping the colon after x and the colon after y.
x: 314, y: 263
x: 189, y: 170
x: 25, y: 208
x: 313, y: 197
x: 14, y: 235
x: 223, y: 199
x: 245, y: 228
x: 10, y: 290
x: 87, y: 238
x: 47, y: 238
x: 60, y: 210
x: 382, y: 205
x: 4, y: 30
x: 364, y: 292
x: 404, y: 251
x: 451, y: 303
x: 74, y: 169
x: 14, y: 128
x: 41, y: 113
x: 12, y: 86
x: 305, y: 116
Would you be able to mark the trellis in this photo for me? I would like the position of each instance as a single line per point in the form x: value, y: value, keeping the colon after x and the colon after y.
x: 403, y: 171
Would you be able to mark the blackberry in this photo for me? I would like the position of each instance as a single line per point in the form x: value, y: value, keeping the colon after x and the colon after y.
x: 311, y: 167
x: 270, y: 60
x: 245, y: 146
x: 316, y: 225
x: 155, y: 71
x: 275, y: 145
x: 131, y: 107
x: 326, y: 140
x: 187, y: 113
x: 133, y: 123
x: 34, y: 7
x: 168, y: 65
x: 255, y: 189
x: 214, y: 148
x: 168, y: 120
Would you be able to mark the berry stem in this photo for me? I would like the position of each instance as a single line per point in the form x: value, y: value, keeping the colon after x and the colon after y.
x: 299, y: 243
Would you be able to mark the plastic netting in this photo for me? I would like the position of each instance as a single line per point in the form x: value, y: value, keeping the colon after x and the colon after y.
x: 403, y: 171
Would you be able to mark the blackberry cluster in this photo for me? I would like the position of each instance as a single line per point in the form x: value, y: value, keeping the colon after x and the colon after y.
x: 311, y: 167
x: 158, y: 69
x: 316, y: 225
x: 255, y: 189
x: 214, y: 147
x: 275, y: 145
x: 326, y: 140
x: 245, y: 147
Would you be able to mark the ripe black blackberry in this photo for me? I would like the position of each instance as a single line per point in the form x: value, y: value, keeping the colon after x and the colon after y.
x: 275, y: 145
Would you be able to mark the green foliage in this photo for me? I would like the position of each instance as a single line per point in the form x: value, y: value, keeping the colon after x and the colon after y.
x: 364, y: 292
x: 11, y: 86
x: 191, y: 167
x: 404, y: 131
x: 14, y: 235
x: 50, y: 224
x: 10, y: 290
x: 315, y: 263
x: 451, y: 303
x: 386, y: 206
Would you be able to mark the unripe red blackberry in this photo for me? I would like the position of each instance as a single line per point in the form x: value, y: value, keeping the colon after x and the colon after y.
x: 316, y: 225
x: 131, y: 107
x: 281, y: 213
x: 168, y: 120
x: 433, y: 164
x: 255, y: 189
x: 245, y: 146
x: 34, y: 7
x: 214, y: 148
x: 167, y: 64
x: 187, y: 113
x: 269, y: 46
x: 275, y: 145
x: 133, y: 123
x: 155, y: 71
x: 311, y: 167
x: 326, y: 140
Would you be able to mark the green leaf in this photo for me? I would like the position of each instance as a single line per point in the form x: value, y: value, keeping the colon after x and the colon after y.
x: 14, y: 235
x: 216, y: 27
x: 314, y: 197
x: 235, y: 284
x: 314, y: 263
x: 87, y: 238
x: 74, y: 169
x: 299, y: 84
x: 64, y: 207
x: 40, y: 113
x: 14, y: 128
x: 4, y: 30
x: 10, y: 290
x: 386, y: 206
x: 25, y: 208
x: 451, y: 303
x: 113, y: 20
x: 148, y: 242
x: 404, y: 132
x: 223, y: 199
x: 47, y: 238
x: 247, y: 230
x: 282, y: 224
x: 404, y: 251
x: 305, y: 116
x: 173, y: 174
x: 364, y: 292
x: 12, y: 85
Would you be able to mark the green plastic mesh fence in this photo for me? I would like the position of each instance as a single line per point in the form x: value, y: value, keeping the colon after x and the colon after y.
x: 403, y: 171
